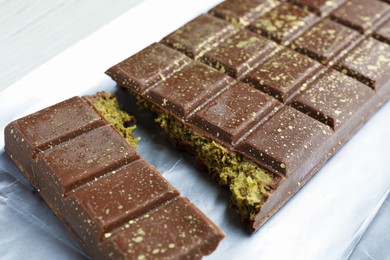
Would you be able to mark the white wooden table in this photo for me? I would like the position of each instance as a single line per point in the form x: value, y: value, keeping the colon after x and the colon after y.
x: 32, y: 32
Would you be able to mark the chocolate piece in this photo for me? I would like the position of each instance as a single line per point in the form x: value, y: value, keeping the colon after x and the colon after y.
x: 47, y: 128
x: 151, y: 65
x: 283, y: 23
x: 111, y: 202
x: 283, y: 74
x: 199, y: 35
x: 333, y: 99
x: 285, y: 141
x: 98, y: 186
x: 196, y: 236
x: 234, y: 112
x: 383, y: 32
x: 369, y: 63
x: 362, y: 15
x: 320, y: 7
x: 240, y: 53
x: 325, y: 40
x: 78, y: 161
x: 190, y: 87
x: 242, y: 12
x: 261, y: 149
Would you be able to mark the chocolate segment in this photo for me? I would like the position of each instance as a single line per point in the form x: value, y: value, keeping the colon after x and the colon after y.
x: 242, y: 12
x: 149, y: 66
x: 283, y: 74
x: 320, y: 7
x: 240, y: 53
x: 97, y: 185
x: 285, y: 141
x: 47, y: 128
x: 369, y: 63
x: 188, y: 88
x: 333, y: 99
x: 383, y: 32
x: 325, y: 40
x: 116, y: 198
x: 283, y: 23
x: 199, y: 35
x: 161, y: 230
x: 71, y: 164
x: 234, y: 112
x: 362, y: 15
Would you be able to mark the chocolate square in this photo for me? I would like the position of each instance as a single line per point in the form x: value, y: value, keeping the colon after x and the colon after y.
x: 325, y: 40
x: 369, y: 62
x: 362, y: 15
x: 285, y: 141
x: 283, y: 23
x: 188, y: 88
x: 199, y: 35
x: 383, y: 32
x: 147, y: 67
x: 242, y: 12
x: 234, y: 112
x: 333, y: 99
x: 116, y: 198
x: 240, y: 53
x: 320, y: 7
x: 283, y: 74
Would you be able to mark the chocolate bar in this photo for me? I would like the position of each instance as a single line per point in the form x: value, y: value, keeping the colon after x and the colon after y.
x: 263, y: 106
x: 112, y: 201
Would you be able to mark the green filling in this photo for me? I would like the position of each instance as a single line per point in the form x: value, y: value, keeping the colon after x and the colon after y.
x: 250, y: 185
x: 107, y: 105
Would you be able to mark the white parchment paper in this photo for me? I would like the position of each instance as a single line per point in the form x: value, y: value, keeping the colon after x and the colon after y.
x: 324, y: 220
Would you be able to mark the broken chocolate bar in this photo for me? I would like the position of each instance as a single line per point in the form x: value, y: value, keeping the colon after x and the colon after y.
x: 111, y: 200
x: 282, y: 93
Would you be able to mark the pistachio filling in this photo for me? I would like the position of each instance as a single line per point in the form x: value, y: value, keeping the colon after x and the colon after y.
x: 107, y: 105
x: 249, y: 184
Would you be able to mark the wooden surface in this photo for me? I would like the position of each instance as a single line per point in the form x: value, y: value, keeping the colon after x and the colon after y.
x: 32, y: 32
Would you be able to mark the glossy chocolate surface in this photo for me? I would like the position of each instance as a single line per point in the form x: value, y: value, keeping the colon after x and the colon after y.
x: 362, y: 15
x: 240, y: 53
x: 242, y: 12
x: 283, y: 74
x: 325, y: 40
x: 283, y: 111
x: 285, y: 140
x: 199, y: 35
x: 98, y: 186
x: 383, y: 32
x: 369, y: 62
x: 187, y: 89
x: 333, y: 98
x: 234, y: 112
x: 283, y: 23
x: 153, y: 64
x: 320, y: 7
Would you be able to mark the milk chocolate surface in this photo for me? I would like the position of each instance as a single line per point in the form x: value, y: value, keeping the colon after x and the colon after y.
x: 240, y: 53
x: 242, y: 12
x: 199, y: 35
x: 383, y: 32
x: 362, y: 15
x: 320, y: 7
x: 325, y: 40
x: 112, y: 201
x: 284, y: 107
x: 283, y: 23
x: 369, y: 63
x: 283, y: 74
